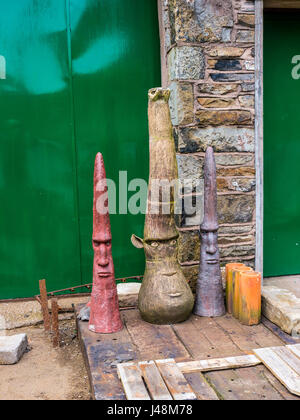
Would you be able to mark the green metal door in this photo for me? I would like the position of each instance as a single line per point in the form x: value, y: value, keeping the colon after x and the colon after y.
x: 114, y: 63
x: 73, y: 81
x: 281, y: 143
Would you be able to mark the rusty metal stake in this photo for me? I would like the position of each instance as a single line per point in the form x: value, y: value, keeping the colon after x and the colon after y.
x: 44, y: 304
x: 54, y: 317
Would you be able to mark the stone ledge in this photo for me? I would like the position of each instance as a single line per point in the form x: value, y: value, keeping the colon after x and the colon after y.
x: 282, y: 308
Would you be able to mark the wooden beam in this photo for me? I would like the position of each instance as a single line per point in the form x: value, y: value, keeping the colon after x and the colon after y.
x: 44, y: 304
x: 281, y: 4
x: 54, y: 322
x: 155, y: 383
x: 175, y: 381
x: 259, y: 134
x: 130, y: 376
x: 219, y: 364
x: 280, y: 369
x: 295, y: 349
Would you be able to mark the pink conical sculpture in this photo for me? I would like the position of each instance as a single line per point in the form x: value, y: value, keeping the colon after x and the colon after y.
x: 105, y: 315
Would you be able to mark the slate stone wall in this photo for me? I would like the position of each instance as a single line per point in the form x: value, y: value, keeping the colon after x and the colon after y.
x: 209, y: 47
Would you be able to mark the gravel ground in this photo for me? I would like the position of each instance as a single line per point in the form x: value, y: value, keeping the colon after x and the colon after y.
x: 45, y: 373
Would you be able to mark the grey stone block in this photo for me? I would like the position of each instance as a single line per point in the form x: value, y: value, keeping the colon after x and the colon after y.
x: 12, y: 348
x: 186, y: 63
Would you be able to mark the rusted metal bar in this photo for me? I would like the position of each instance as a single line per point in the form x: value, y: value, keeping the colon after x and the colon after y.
x: 44, y: 304
x: 54, y: 318
x: 87, y: 286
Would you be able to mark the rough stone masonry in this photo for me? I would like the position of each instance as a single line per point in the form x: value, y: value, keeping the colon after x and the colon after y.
x: 209, y: 62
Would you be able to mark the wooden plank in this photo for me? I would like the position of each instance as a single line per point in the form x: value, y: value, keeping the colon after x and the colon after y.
x: 259, y: 133
x: 175, y: 381
x: 283, y: 336
x: 227, y: 384
x: 155, y: 383
x: 154, y: 341
x: 44, y: 304
x: 201, y: 387
x: 280, y: 369
x: 281, y: 389
x: 194, y: 341
x: 288, y: 357
x: 102, y: 353
x: 219, y: 364
x: 246, y: 337
x: 242, y: 337
x: 221, y: 341
x: 54, y: 322
x: 281, y: 4
x: 295, y: 349
x: 131, y: 378
x: 243, y: 384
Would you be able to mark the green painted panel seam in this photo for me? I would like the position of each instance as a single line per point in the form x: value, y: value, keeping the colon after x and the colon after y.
x: 73, y: 130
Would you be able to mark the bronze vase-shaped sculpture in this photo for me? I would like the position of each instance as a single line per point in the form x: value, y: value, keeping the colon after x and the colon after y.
x: 209, y: 291
x: 165, y: 296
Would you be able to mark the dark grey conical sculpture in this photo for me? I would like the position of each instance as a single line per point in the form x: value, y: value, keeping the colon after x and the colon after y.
x: 209, y: 292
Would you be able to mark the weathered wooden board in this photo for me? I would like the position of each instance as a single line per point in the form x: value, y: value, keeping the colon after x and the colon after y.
x: 288, y: 357
x: 201, y: 387
x: 102, y: 353
x: 279, y: 4
x: 130, y: 376
x: 175, y: 381
x: 281, y: 389
x: 247, y: 338
x: 155, y: 383
x: 242, y: 338
x: 217, y: 338
x: 154, y: 341
x: 295, y: 349
x: 243, y: 384
x: 222, y: 343
x: 275, y: 330
x: 195, y: 342
x: 218, y: 364
x: 283, y: 372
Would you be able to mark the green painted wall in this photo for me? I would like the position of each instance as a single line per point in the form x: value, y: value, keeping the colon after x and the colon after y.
x: 281, y: 144
x: 77, y: 75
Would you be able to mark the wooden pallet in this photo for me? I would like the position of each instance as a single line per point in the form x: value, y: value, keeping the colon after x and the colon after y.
x: 164, y: 379
x: 284, y: 363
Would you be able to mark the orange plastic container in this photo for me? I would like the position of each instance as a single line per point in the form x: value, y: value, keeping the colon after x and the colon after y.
x: 236, y: 275
x: 229, y: 287
x: 249, y: 298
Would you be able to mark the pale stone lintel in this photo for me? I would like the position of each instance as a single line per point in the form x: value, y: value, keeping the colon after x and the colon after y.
x: 282, y: 308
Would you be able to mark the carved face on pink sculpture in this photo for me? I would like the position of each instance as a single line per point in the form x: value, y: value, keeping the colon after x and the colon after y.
x: 105, y: 315
x: 103, y: 261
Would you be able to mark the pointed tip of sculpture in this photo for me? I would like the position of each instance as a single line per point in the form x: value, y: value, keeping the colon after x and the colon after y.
x: 101, y: 229
x: 99, y: 161
x: 99, y: 171
x: 209, y: 152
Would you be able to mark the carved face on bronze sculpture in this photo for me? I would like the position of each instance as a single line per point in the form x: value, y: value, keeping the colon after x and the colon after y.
x: 165, y: 297
x: 209, y: 292
x: 104, y: 313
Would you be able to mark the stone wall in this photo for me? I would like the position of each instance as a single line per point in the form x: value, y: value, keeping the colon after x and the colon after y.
x: 209, y: 56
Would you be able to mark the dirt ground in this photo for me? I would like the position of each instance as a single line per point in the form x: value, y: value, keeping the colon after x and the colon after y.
x: 45, y: 373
